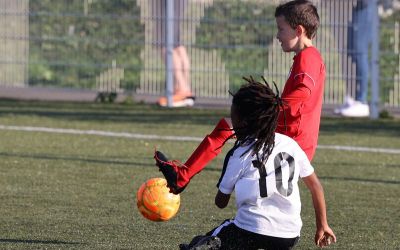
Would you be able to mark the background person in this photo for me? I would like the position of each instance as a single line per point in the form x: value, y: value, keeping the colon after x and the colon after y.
x: 359, y: 40
x: 182, y: 95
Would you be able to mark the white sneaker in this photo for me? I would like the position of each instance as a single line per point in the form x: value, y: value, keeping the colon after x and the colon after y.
x: 187, y: 102
x: 348, y: 101
x: 177, y: 101
x: 357, y: 109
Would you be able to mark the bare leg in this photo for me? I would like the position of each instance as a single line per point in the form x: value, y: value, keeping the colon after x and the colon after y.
x: 181, y: 68
x: 182, y: 96
x: 181, y: 71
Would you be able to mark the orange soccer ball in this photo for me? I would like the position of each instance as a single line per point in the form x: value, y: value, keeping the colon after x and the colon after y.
x: 155, y: 202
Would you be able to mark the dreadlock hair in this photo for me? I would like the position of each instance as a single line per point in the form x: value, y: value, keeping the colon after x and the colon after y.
x: 257, y: 107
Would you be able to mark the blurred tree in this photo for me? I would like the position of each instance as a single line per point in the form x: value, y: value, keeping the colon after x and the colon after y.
x: 73, y: 41
x: 241, y: 39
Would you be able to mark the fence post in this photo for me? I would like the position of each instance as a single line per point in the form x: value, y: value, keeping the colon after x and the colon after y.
x: 169, y: 30
x: 375, y: 63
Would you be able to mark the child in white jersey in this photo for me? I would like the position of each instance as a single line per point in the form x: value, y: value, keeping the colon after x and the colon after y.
x: 263, y: 169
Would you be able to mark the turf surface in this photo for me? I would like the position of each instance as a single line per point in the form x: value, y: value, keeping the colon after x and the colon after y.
x: 66, y: 191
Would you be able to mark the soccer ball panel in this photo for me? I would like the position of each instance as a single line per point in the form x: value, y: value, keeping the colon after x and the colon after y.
x: 155, y: 202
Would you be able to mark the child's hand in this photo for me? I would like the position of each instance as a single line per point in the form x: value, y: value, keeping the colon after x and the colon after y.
x: 324, y: 237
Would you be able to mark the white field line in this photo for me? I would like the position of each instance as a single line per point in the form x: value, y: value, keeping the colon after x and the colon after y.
x: 173, y: 138
x: 100, y: 133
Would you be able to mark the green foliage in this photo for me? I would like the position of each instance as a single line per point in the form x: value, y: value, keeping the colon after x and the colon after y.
x: 72, y: 42
x: 389, y: 61
x: 385, y: 114
x: 241, y: 39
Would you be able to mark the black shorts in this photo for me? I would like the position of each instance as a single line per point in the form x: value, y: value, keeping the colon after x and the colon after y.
x: 233, y: 237
x: 159, y: 17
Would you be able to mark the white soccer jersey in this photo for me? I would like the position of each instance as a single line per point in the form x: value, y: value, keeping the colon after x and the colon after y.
x: 267, y: 197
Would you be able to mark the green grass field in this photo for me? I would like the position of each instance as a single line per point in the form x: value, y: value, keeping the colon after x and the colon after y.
x: 71, y: 191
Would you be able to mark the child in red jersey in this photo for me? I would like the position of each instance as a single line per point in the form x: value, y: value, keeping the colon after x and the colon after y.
x: 297, y: 23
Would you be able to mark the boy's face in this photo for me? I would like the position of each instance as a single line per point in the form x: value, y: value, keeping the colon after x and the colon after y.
x: 286, y: 35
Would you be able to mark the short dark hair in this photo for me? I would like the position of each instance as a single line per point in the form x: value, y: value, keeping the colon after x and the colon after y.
x: 257, y: 107
x: 300, y: 12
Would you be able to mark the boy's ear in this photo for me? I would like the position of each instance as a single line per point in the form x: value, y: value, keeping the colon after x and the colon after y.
x: 300, y: 30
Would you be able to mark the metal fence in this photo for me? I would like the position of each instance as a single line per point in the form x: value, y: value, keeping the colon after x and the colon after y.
x: 114, y: 46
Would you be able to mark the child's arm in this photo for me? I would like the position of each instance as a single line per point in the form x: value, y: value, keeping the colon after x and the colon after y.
x: 298, y: 95
x: 221, y: 199
x: 324, y: 233
x: 294, y: 99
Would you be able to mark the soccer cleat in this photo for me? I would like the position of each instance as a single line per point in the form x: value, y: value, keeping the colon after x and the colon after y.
x: 211, y: 243
x: 170, y: 171
x: 202, y: 242
x: 184, y: 246
x: 177, y: 101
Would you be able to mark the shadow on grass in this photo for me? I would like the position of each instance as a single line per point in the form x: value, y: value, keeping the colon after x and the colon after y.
x: 50, y: 242
x: 151, y: 114
x: 65, y: 158
x: 138, y: 113
x: 358, y: 179
x: 359, y: 126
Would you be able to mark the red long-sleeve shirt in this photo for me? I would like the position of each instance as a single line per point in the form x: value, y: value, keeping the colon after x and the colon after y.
x: 303, y: 95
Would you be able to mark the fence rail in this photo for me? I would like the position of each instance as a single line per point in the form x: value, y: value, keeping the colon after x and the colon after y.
x: 114, y: 45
